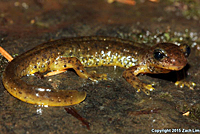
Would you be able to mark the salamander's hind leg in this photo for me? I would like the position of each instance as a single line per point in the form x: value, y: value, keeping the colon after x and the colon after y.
x: 131, y: 77
x: 95, y: 77
x: 74, y: 63
x: 39, y: 75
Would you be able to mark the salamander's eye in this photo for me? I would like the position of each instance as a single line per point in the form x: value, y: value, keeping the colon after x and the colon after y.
x: 187, y: 52
x: 186, y: 49
x: 159, y: 54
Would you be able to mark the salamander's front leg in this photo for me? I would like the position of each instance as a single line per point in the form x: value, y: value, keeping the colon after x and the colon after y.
x: 74, y: 63
x: 131, y: 77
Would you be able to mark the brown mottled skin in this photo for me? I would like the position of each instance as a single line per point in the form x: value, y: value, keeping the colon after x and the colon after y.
x: 81, y: 52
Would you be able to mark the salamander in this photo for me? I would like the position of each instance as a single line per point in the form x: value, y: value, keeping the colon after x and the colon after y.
x: 80, y: 52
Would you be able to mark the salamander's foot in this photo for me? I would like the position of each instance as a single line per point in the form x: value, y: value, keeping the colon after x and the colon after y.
x: 39, y: 75
x: 183, y: 83
x: 146, y: 89
x: 130, y: 75
x: 97, y: 77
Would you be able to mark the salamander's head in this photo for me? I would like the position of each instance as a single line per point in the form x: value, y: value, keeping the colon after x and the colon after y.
x: 169, y: 56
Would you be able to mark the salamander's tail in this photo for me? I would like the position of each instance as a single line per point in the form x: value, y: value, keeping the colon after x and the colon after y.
x: 42, y: 96
x: 39, y: 95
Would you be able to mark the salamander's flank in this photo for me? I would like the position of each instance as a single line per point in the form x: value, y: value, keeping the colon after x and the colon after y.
x: 78, y: 53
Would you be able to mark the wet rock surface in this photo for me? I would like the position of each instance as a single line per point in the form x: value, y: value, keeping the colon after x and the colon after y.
x: 111, y: 106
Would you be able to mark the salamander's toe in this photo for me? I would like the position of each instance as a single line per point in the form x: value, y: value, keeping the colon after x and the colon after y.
x: 147, y: 89
x: 183, y: 83
x: 97, y: 77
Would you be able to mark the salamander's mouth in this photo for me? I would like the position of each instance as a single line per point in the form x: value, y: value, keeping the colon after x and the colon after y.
x: 176, y: 68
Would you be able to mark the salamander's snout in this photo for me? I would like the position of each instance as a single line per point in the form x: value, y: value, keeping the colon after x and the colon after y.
x: 170, y: 56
